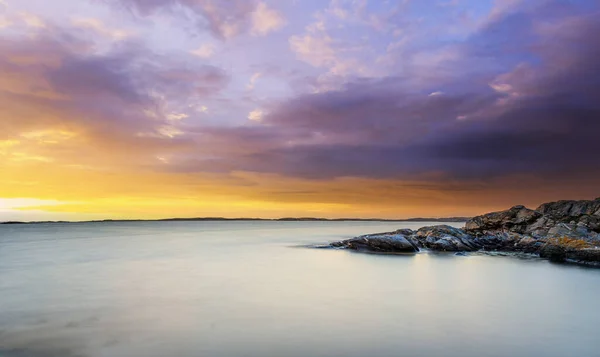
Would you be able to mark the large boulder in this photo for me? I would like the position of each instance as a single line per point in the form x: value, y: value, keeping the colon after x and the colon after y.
x: 445, y: 238
x: 585, y: 213
x: 514, y: 220
x: 564, y: 210
x: 392, y: 242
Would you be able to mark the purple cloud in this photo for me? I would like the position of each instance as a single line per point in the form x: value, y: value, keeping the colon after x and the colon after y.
x: 223, y: 18
x: 123, y: 98
x: 522, y: 97
x: 542, y: 117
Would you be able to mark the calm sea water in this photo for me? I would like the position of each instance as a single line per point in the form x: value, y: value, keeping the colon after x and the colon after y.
x: 227, y: 289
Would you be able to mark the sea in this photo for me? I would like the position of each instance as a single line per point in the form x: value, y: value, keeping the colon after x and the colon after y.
x: 262, y: 289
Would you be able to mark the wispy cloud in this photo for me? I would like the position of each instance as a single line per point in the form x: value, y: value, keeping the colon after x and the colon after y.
x: 207, y: 50
x: 224, y: 19
x: 265, y: 20
x: 256, y: 115
x: 100, y: 28
x: 255, y: 77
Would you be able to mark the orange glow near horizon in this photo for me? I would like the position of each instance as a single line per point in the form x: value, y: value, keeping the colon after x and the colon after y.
x: 40, y: 190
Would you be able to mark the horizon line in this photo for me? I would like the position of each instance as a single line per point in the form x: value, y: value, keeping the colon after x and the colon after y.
x: 282, y: 219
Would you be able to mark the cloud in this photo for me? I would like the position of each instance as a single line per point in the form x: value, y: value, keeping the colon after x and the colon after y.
x: 99, y: 27
x: 265, y: 20
x: 207, y: 50
x: 358, y: 13
x: 253, y: 79
x: 537, y: 117
x: 68, y: 103
x: 9, y: 204
x: 339, y: 59
x: 345, y: 39
x: 315, y: 50
x: 32, y: 20
x: 4, y: 21
x: 256, y: 115
x: 225, y: 19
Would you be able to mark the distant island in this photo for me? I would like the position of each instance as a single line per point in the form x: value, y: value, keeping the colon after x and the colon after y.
x: 285, y: 219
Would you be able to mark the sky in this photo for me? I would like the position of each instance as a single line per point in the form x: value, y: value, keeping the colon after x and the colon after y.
x: 122, y: 109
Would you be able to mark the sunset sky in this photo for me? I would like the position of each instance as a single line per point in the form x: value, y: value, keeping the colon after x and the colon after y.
x: 276, y: 108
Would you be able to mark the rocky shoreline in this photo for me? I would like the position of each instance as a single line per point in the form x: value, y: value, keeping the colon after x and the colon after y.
x: 563, y: 231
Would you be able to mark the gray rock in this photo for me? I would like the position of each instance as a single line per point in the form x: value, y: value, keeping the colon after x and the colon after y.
x: 392, y: 242
x: 570, y: 230
x: 553, y: 253
x: 564, y: 210
x: 589, y: 255
x: 445, y: 238
x: 540, y: 227
x: 584, y: 213
x: 405, y: 232
x: 499, y: 241
x: 514, y: 220
x: 591, y: 222
x: 528, y: 244
x: 575, y: 219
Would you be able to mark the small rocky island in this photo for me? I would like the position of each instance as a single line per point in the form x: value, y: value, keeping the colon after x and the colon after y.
x: 563, y: 231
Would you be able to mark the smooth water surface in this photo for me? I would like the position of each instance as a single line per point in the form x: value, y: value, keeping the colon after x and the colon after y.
x: 227, y: 289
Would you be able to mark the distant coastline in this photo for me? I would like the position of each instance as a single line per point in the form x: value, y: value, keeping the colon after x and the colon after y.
x: 286, y: 219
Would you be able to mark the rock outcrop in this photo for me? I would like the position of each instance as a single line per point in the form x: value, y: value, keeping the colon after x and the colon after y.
x: 557, y: 231
x: 572, y: 219
x: 516, y: 220
x: 445, y: 238
x: 394, y: 242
